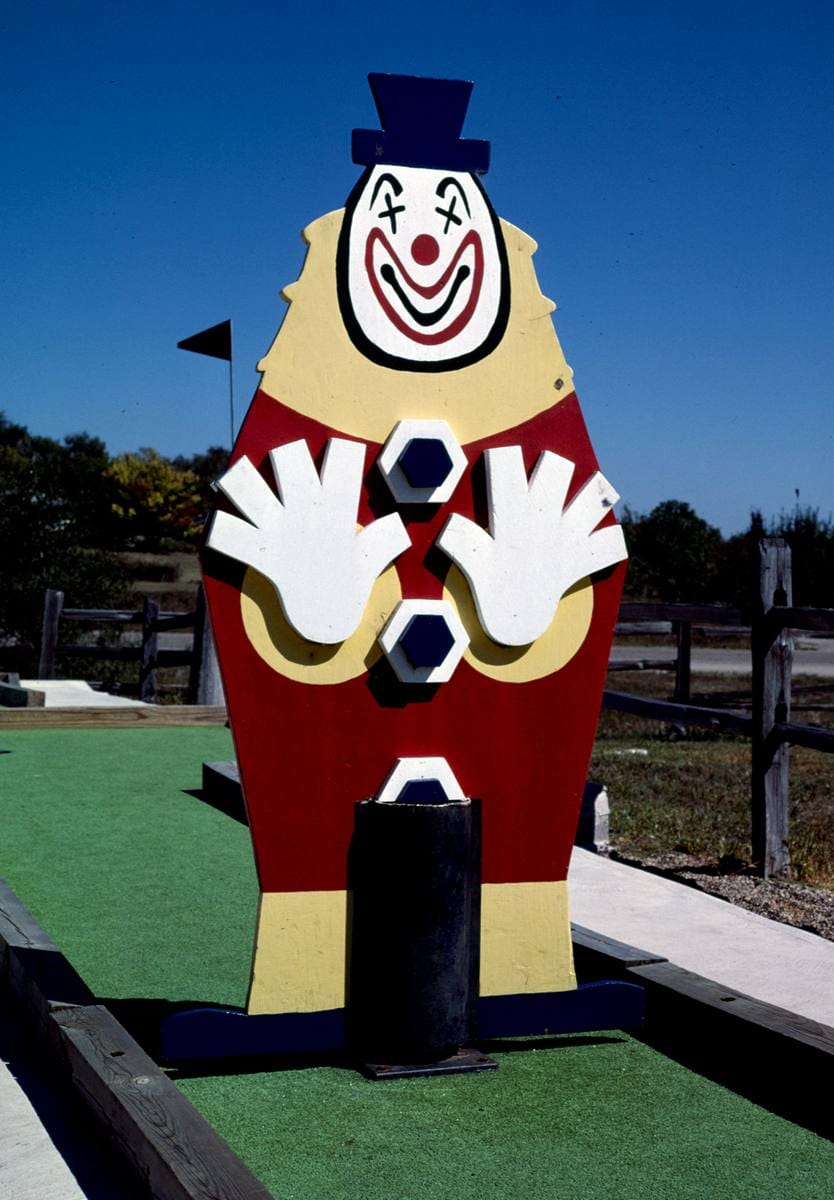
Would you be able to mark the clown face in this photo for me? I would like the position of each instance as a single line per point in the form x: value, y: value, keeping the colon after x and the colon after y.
x: 422, y: 269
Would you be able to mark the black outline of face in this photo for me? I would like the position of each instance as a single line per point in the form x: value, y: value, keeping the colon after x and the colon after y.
x: 360, y: 340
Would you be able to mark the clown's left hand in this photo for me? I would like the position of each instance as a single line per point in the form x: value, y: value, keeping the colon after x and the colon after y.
x: 536, y: 548
x: 306, y: 542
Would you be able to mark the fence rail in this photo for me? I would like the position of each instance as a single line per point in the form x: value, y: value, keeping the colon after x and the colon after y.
x: 819, y: 620
x: 769, y: 726
x: 718, y: 719
x: 704, y: 614
x: 204, y: 680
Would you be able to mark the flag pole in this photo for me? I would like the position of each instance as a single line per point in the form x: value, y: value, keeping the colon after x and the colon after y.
x: 216, y: 342
x: 231, y: 395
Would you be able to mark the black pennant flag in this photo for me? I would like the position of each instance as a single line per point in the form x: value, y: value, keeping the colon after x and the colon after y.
x: 216, y: 342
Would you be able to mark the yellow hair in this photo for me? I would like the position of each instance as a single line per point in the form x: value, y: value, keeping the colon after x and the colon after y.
x: 313, y: 367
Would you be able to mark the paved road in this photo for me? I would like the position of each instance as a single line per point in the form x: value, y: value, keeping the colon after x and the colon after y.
x: 811, y: 657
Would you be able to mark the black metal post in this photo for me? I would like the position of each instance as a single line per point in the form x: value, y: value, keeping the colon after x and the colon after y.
x: 415, y: 894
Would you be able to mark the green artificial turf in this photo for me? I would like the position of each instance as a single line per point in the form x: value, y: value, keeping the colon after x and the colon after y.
x: 575, y: 1122
x: 148, y: 891
x: 152, y: 894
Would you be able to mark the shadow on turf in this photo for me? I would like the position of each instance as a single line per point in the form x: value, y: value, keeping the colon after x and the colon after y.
x: 556, y: 1042
x: 771, y: 1082
x: 226, y: 803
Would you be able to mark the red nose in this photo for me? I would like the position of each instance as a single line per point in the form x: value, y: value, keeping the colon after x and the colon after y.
x: 424, y: 249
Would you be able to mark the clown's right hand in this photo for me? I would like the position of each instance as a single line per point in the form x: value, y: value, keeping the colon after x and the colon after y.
x: 305, y: 540
x: 537, y: 547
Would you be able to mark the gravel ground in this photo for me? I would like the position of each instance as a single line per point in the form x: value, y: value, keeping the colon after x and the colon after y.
x: 798, y: 904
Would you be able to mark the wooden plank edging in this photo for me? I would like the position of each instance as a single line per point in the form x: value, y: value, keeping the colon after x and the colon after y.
x: 152, y: 716
x: 33, y: 971
x: 672, y: 982
x: 168, y: 1144
x: 761, y: 1051
x: 609, y: 949
x: 159, y: 1134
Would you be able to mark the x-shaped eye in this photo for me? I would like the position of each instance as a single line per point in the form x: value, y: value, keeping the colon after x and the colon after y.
x: 450, y: 214
x: 391, y: 212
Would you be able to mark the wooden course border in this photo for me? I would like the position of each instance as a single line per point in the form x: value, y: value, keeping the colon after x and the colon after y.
x: 172, y: 1151
x: 153, y: 716
x: 175, y: 1154
x: 764, y: 1052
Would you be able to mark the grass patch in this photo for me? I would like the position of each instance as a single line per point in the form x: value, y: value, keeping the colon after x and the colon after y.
x: 693, y: 795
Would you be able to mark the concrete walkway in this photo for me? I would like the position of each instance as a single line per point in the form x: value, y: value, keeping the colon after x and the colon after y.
x: 30, y: 1166
x: 775, y: 963
x: 76, y: 693
x: 49, y: 1150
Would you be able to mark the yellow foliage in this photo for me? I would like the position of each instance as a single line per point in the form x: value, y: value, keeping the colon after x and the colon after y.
x: 154, y: 496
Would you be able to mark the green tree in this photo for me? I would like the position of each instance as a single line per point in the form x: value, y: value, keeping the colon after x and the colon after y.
x: 51, y: 510
x: 674, y: 555
x: 811, y: 539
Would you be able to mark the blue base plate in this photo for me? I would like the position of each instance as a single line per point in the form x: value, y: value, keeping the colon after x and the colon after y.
x: 206, y: 1033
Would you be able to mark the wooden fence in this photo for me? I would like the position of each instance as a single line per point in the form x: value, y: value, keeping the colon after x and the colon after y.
x: 203, y: 678
x: 678, y: 619
x: 769, y: 725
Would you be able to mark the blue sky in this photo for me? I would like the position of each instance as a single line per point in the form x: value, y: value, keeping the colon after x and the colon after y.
x: 674, y: 162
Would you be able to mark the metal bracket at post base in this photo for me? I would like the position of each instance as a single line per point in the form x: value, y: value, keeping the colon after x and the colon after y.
x: 210, y: 1033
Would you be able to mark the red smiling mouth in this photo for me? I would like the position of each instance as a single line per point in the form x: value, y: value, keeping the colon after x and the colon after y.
x: 389, y: 276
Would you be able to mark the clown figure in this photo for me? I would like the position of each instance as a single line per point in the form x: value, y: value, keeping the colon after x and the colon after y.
x: 415, y: 570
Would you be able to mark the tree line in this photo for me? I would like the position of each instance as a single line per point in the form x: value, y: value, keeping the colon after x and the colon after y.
x: 675, y: 556
x: 69, y: 509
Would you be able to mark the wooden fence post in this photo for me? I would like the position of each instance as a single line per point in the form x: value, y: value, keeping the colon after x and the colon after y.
x: 683, y: 663
x: 150, y: 649
x: 772, y: 659
x: 53, y: 603
x: 204, y: 683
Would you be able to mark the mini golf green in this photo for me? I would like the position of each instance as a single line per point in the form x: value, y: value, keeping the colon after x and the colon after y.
x: 151, y: 894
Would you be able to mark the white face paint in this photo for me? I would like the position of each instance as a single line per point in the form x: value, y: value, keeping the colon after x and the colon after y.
x: 422, y: 273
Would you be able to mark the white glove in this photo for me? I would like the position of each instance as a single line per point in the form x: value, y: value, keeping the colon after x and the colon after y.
x: 305, y: 540
x: 536, y: 548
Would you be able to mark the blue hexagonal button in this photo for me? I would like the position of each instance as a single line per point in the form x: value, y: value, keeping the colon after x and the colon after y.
x: 425, y: 462
x: 426, y: 640
x: 423, y: 791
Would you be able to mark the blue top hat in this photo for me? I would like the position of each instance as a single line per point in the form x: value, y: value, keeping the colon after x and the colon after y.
x: 421, y: 124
